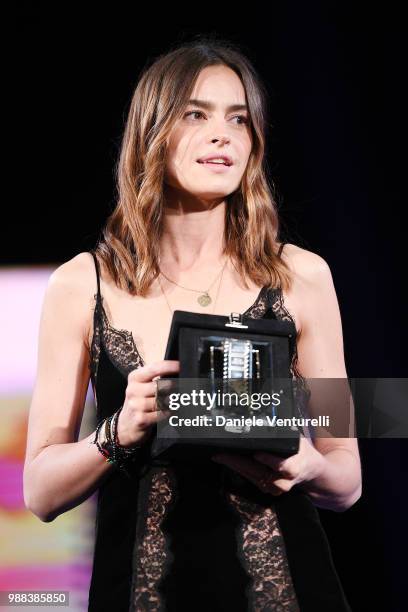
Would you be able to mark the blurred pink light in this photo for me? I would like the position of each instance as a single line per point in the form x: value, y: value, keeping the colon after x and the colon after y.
x: 22, y: 292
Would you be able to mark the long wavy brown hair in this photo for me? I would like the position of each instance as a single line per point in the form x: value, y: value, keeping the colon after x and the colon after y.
x: 129, y: 243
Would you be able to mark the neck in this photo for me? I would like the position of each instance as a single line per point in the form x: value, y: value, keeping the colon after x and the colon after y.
x: 192, y: 238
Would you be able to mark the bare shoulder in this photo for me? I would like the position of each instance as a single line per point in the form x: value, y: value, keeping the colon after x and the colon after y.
x: 77, y: 270
x: 75, y: 278
x: 306, y: 265
x: 73, y: 285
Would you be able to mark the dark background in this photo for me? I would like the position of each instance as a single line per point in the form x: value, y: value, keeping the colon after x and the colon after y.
x: 335, y: 73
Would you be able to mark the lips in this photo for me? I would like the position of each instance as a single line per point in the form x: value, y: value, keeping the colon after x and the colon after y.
x: 227, y: 160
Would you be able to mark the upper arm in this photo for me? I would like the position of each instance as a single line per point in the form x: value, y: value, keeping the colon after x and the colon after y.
x: 321, y: 350
x: 320, y: 344
x: 62, y: 376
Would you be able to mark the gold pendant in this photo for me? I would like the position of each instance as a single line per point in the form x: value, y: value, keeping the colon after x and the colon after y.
x: 204, y: 299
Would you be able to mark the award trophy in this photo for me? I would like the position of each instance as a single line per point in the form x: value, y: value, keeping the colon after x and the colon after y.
x: 238, y: 359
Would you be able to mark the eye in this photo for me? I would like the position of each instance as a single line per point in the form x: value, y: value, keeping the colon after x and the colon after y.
x: 193, y: 113
x: 243, y: 119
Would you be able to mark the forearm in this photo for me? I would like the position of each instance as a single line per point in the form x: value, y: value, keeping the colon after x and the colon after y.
x: 62, y: 476
x: 339, y: 485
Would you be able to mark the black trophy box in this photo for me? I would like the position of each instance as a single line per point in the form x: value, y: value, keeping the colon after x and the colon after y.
x: 204, y: 344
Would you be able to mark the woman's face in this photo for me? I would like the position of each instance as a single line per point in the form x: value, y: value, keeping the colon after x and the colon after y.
x: 210, y: 127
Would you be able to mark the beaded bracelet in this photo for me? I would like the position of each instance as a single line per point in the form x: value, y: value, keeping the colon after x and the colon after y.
x: 109, y: 447
x: 109, y: 452
x: 104, y: 452
x: 127, y: 450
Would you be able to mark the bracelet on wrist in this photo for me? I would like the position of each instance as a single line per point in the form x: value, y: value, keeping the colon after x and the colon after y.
x: 114, y: 427
x: 107, y: 443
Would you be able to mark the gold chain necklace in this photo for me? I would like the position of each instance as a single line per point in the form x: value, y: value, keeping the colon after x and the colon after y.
x: 204, y: 299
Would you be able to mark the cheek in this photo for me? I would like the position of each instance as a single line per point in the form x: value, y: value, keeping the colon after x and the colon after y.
x: 181, y: 168
x: 182, y: 160
x: 246, y: 144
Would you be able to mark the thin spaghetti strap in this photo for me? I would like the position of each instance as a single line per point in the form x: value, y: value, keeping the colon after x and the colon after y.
x: 97, y: 274
x: 281, y: 248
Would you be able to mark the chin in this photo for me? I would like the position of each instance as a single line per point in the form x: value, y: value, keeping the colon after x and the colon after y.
x: 211, y: 196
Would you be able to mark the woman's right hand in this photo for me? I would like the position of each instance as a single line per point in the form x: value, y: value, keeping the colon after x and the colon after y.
x: 139, y: 412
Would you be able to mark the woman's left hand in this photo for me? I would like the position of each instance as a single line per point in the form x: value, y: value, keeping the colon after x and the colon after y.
x: 273, y: 474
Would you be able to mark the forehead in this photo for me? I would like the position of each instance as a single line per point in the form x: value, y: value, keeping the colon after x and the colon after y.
x: 219, y: 83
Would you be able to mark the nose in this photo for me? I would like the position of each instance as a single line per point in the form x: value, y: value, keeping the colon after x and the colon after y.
x: 224, y: 139
x: 219, y: 130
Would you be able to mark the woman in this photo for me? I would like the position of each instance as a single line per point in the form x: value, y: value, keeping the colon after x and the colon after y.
x: 229, y: 534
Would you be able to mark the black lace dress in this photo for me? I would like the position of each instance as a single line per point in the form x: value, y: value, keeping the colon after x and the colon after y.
x: 176, y: 537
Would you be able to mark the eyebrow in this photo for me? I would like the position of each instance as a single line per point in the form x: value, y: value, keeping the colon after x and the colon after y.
x: 211, y: 106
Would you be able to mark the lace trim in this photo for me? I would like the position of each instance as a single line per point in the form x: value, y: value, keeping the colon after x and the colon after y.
x: 263, y: 555
x: 119, y: 343
x: 258, y: 309
x: 153, y: 555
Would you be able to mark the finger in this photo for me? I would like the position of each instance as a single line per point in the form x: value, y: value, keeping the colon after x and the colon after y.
x: 151, y: 401
x: 269, y: 485
x: 151, y: 405
x: 264, y: 481
x: 260, y: 476
x: 157, y: 368
x: 162, y: 415
x: 151, y: 418
x: 140, y: 404
x: 146, y: 389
